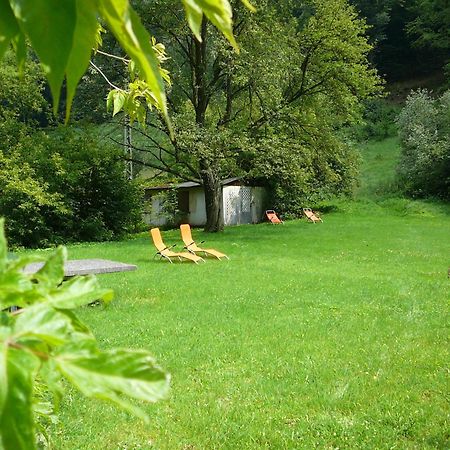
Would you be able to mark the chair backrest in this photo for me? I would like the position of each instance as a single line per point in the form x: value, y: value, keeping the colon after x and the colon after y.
x: 157, y: 239
x: 186, y: 234
x: 309, y: 213
x: 272, y: 216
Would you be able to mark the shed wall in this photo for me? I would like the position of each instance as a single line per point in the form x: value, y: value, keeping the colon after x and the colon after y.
x: 197, y: 207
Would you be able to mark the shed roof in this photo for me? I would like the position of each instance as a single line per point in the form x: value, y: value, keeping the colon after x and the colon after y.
x: 189, y: 184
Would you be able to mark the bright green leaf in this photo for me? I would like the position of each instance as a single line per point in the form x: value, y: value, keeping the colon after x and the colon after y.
x: 194, y: 16
x: 8, y: 26
x: 44, y: 323
x: 3, y: 370
x: 110, y: 99
x: 119, y: 100
x: 84, y: 41
x: 50, y: 26
x: 248, y: 5
x: 16, y: 422
x: 79, y: 291
x: 52, y: 272
x: 3, y: 244
x: 115, y: 373
x: 125, y: 24
x: 20, y: 48
x: 217, y: 11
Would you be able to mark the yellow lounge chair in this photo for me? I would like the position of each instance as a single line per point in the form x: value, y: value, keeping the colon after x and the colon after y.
x: 165, y: 252
x: 193, y: 248
x: 310, y: 215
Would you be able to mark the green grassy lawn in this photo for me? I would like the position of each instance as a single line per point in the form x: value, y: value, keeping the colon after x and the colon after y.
x: 378, y: 170
x: 327, y: 336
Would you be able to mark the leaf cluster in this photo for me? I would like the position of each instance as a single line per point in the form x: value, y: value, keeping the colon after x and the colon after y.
x: 42, y: 341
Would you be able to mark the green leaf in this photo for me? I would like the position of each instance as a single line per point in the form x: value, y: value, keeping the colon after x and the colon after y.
x: 126, y: 26
x: 50, y: 26
x: 3, y: 368
x: 20, y: 48
x: 84, y: 41
x: 75, y: 322
x: 219, y: 12
x: 248, y: 5
x: 79, y: 291
x: 16, y: 422
x: 194, y: 16
x: 8, y: 26
x: 119, y: 100
x: 110, y: 99
x: 12, y: 286
x: 114, y: 374
x: 3, y: 245
x: 52, y: 272
x: 43, y: 323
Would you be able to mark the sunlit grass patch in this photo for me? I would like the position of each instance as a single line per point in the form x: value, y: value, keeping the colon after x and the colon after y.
x: 328, y: 335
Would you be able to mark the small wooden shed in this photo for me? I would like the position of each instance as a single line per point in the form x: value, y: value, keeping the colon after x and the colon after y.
x: 242, y: 203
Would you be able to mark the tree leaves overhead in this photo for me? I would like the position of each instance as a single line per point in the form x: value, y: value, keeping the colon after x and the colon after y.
x: 8, y: 26
x: 64, y: 33
x: 50, y: 26
x: 134, y: 39
x: 85, y: 36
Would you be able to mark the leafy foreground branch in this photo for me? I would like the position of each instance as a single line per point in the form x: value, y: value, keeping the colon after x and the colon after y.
x: 43, y: 341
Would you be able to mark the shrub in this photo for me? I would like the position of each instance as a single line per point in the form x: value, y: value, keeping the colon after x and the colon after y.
x: 378, y: 121
x: 27, y: 202
x: 300, y: 175
x: 424, y: 129
x: 65, y: 186
x: 90, y: 177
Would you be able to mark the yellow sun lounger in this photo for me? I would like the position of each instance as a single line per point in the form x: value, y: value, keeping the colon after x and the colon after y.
x: 165, y: 252
x: 193, y: 248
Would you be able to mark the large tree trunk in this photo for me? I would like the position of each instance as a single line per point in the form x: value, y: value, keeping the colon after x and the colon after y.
x: 200, y: 100
x: 213, y: 199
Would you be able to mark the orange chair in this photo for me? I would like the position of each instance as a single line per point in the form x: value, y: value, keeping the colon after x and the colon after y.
x: 192, y: 247
x: 165, y: 252
x: 272, y: 216
x: 310, y: 215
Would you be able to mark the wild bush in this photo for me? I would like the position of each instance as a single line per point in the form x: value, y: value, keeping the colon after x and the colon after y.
x: 300, y: 174
x: 424, y: 129
x: 378, y: 121
x: 63, y: 186
x: 28, y: 203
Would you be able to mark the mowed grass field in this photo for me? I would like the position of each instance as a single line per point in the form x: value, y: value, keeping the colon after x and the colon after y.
x: 327, y: 336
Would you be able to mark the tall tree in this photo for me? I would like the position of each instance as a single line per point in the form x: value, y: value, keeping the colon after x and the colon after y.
x: 301, y: 73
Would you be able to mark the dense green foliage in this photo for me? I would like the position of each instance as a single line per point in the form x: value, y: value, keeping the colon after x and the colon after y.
x: 57, y: 184
x: 312, y: 336
x: 269, y: 113
x: 378, y: 121
x: 424, y: 127
x: 42, y: 341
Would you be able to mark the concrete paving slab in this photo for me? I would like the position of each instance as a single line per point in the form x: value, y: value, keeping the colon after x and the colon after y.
x: 86, y: 266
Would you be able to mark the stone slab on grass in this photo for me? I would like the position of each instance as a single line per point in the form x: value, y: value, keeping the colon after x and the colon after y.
x: 86, y: 266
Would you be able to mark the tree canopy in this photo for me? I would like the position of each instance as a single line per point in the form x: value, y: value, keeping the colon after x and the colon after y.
x: 301, y: 73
